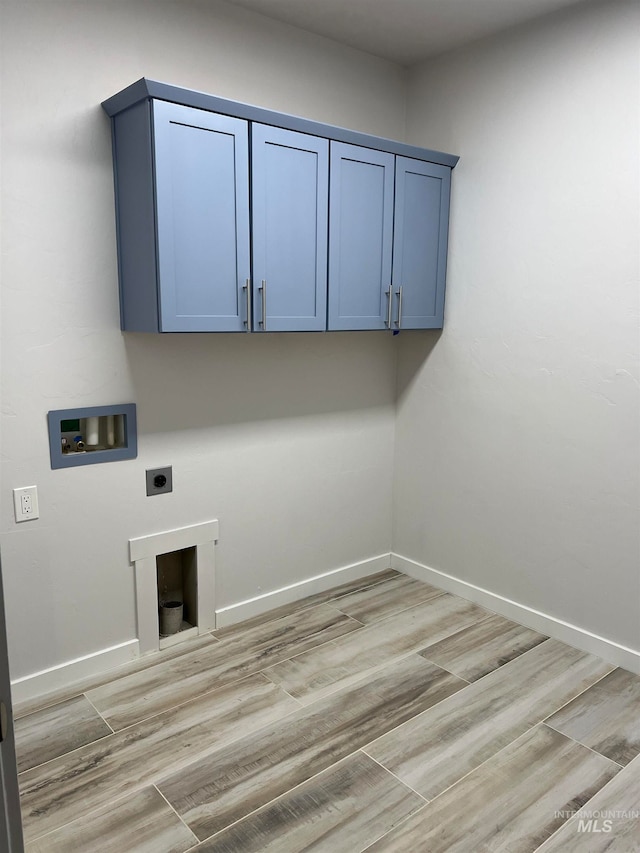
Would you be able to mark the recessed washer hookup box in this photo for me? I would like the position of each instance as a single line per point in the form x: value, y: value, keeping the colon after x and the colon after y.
x: 92, y: 434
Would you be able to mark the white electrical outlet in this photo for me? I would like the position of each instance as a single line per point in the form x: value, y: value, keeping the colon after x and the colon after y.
x: 25, y: 503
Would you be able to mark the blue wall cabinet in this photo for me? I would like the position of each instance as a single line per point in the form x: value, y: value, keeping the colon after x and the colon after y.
x: 290, y: 191
x: 182, y: 192
x: 344, y: 230
x: 360, y: 237
x: 420, y: 244
x: 202, y: 213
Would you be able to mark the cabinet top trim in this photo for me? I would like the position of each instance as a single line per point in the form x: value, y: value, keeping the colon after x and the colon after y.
x: 145, y: 89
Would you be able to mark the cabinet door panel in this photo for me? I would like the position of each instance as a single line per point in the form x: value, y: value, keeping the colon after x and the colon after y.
x: 360, y: 236
x: 290, y: 188
x: 420, y: 242
x: 202, y: 214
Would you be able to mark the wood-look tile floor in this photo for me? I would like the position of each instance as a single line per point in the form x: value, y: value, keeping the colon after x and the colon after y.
x: 382, y: 715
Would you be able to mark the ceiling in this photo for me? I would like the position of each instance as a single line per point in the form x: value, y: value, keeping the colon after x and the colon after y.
x: 404, y: 31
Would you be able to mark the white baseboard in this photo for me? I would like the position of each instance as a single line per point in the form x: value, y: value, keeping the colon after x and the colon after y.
x: 65, y: 674
x: 572, y: 635
x: 295, y: 591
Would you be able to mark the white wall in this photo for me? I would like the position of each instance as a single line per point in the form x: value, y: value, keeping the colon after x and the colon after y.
x: 516, y: 440
x: 517, y: 434
x: 286, y: 439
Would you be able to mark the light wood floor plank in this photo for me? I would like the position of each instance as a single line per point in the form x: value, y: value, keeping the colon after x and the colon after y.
x: 385, y: 599
x: 342, y: 810
x: 266, y: 772
x: 608, y: 823
x: 142, y: 823
x: 439, y: 747
x: 53, y: 731
x: 606, y: 717
x: 129, y: 700
x: 39, y: 703
x: 509, y: 803
x: 71, y: 786
x: 227, y: 786
x: 316, y: 673
x: 478, y: 650
x: 332, y: 594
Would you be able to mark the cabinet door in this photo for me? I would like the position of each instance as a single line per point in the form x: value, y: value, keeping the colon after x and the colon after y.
x: 420, y: 243
x: 360, y: 237
x: 290, y: 188
x: 202, y: 219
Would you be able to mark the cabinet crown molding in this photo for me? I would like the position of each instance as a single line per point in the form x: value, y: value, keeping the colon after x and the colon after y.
x: 145, y: 89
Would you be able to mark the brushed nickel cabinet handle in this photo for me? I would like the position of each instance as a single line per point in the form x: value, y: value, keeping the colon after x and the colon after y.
x: 247, y: 287
x: 390, y: 306
x: 263, y: 291
x: 399, y: 295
